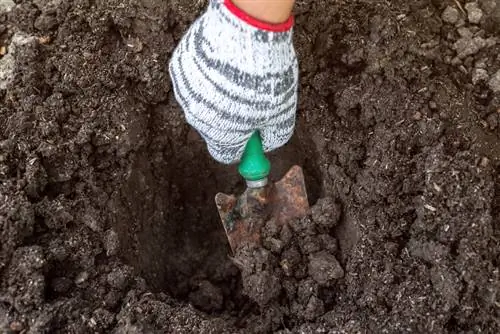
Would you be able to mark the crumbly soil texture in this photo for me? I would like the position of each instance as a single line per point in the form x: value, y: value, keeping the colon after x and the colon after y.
x: 107, y: 216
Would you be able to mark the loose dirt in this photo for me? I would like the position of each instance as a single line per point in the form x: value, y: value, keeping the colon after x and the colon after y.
x: 107, y: 215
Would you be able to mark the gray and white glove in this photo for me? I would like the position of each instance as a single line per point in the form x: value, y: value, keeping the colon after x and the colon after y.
x: 233, y: 75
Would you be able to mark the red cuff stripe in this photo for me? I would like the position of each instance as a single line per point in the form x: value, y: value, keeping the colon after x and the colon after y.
x: 280, y: 27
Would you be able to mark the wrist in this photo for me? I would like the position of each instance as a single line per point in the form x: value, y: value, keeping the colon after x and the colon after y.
x: 267, y: 15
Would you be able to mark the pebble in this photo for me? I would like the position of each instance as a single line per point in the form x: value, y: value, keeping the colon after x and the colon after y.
x: 494, y: 82
x: 479, y: 75
x: 450, y: 15
x: 474, y: 13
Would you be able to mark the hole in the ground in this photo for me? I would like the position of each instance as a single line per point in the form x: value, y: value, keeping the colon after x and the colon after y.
x: 168, y: 224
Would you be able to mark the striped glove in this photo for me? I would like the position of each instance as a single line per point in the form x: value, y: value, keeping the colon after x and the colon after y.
x: 232, y: 75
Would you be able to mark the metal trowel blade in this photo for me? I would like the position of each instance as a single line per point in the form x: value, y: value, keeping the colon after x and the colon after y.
x: 243, y: 217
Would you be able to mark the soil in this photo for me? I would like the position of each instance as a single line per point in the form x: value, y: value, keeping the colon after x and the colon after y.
x: 107, y: 215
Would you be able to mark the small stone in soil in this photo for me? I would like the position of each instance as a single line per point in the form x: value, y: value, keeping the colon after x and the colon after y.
x: 450, y: 15
x: 474, y: 13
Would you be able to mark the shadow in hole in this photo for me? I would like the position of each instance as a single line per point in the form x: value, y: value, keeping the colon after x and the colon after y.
x: 167, y: 219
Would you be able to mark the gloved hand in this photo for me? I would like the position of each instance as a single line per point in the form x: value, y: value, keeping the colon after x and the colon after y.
x: 232, y: 75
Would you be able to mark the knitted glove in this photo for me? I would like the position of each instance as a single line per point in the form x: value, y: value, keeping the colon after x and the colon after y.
x: 233, y: 75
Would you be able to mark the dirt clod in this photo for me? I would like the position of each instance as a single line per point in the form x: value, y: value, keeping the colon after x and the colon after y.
x: 450, y: 15
x: 494, y: 82
x: 6, y: 6
x: 467, y: 46
x: 324, y: 268
x: 326, y: 213
x: 474, y: 13
x: 119, y: 278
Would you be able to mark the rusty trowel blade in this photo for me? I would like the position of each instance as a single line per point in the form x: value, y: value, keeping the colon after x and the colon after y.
x: 243, y: 217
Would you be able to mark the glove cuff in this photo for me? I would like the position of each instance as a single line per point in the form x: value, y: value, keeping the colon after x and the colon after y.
x: 259, y: 24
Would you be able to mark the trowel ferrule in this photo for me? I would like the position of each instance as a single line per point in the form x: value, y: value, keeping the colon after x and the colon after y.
x: 257, y: 183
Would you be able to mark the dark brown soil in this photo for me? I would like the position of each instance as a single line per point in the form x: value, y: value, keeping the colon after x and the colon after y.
x: 107, y: 215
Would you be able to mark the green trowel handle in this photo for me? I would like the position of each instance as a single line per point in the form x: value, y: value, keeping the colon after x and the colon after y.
x: 254, y: 165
